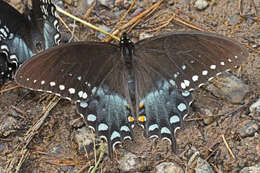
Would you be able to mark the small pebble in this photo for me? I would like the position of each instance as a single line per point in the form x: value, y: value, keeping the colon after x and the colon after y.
x: 89, y: 3
x: 208, y: 120
x: 144, y: 35
x: 251, y: 169
x: 106, y: 3
x: 168, y: 167
x: 84, y: 138
x: 203, y: 166
x: 255, y: 107
x: 229, y: 87
x: 201, y: 4
x: 8, y: 125
x: 248, y: 128
x: 59, y: 149
x: 129, y: 162
x: 100, y: 35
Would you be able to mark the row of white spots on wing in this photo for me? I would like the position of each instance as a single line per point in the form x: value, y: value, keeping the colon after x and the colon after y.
x: 14, y: 59
x: 56, y: 24
x: 94, y: 90
x: 185, y: 93
x: 205, y: 72
x: 102, y: 127
x: 210, y: 78
x: 195, y: 78
x: 53, y: 11
x: 165, y: 130
x: 153, y: 127
x: 185, y: 84
x: 82, y: 94
x: 61, y: 87
x: 88, y: 84
x: 84, y: 105
x: 57, y: 38
x: 173, y: 83
x: 213, y: 67
x: 122, y: 128
x: 44, y: 10
x: 79, y: 78
x: 4, y: 32
x: 174, y: 119
x: 218, y: 73
x: 52, y: 84
x: 175, y: 75
x: 11, y: 36
x: 125, y: 128
x: 72, y: 90
x: 90, y: 117
x: 4, y: 47
x: 183, y: 67
x: 114, y: 135
x: 182, y: 107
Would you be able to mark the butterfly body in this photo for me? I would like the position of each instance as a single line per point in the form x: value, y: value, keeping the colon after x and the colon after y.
x: 149, y: 82
x: 24, y: 35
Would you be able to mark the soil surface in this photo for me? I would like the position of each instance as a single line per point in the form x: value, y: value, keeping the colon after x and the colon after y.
x: 222, y: 132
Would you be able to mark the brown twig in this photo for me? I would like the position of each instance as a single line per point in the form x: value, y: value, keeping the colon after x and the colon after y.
x: 227, y: 146
x: 9, y: 89
x: 133, y: 22
x: 21, y: 151
x: 126, y: 13
x: 256, y: 18
x: 90, y: 10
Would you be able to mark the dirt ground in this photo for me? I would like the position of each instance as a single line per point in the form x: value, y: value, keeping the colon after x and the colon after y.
x: 57, y: 146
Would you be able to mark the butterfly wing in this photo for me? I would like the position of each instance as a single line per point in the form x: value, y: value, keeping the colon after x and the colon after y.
x: 44, y: 14
x: 170, y: 65
x: 91, y: 74
x: 23, y: 35
x: 8, y: 26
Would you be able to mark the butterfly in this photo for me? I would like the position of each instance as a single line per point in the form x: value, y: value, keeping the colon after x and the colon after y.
x: 24, y: 35
x: 117, y: 86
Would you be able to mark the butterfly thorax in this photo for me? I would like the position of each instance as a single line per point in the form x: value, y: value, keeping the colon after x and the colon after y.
x: 127, y: 51
x: 127, y: 48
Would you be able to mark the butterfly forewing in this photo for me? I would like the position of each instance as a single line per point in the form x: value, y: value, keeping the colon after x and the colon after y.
x: 67, y: 70
x: 189, y: 58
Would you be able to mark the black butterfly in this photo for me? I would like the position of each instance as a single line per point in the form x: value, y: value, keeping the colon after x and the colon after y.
x: 24, y: 35
x: 150, y: 79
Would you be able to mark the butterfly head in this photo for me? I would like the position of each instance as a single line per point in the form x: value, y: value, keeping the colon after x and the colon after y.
x: 127, y: 49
